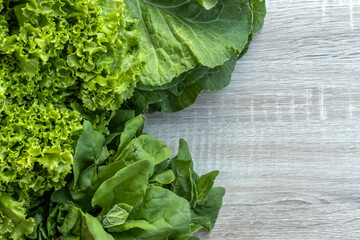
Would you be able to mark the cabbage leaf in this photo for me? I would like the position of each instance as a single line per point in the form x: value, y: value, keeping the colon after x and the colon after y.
x: 183, y: 90
x: 176, y: 36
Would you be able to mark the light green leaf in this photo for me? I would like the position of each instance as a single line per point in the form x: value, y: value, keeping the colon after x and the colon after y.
x: 165, y: 177
x: 36, y: 147
x: 133, y: 224
x: 208, y: 4
x: 14, y: 222
x: 92, y: 229
x: 155, y: 148
x: 117, y: 215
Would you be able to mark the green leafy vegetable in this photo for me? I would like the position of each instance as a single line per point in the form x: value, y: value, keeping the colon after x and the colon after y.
x: 132, y: 194
x: 166, y: 213
x: 13, y: 222
x: 68, y: 71
x: 128, y: 186
x: 175, y: 35
x: 60, y: 52
x: 38, y: 139
x: 184, y: 31
x: 117, y: 216
x: 186, y: 89
x: 204, y: 185
x: 184, y: 184
x: 207, y: 213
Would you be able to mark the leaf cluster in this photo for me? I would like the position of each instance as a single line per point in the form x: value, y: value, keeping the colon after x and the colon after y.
x: 124, y: 187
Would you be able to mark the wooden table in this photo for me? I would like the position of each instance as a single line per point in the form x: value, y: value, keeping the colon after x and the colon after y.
x: 286, y: 132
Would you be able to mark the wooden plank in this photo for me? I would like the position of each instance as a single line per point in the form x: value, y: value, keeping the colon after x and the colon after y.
x: 285, y: 134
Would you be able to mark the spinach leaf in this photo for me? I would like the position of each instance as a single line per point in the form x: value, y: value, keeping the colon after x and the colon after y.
x: 90, y: 149
x: 128, y: 186
x: 131, y: 193
x: 167, y: 213
x: 184, y: 184
x: 207, y: 213
x: 205, y: 185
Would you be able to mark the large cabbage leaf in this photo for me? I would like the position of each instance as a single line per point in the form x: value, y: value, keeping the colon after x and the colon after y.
x: 183, y: 90
x: 176, y: 36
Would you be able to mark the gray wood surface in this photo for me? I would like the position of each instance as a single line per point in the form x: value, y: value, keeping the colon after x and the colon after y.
x: 286, y: 132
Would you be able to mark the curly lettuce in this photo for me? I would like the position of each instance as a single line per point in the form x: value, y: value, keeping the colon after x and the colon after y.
x: 36, y: 148
x: 13, y: 220
x: 64, y: 51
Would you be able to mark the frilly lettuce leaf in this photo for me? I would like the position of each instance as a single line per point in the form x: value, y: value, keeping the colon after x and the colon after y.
x: 36, y: 139
x: 13, y: 220
x: 65, y: 51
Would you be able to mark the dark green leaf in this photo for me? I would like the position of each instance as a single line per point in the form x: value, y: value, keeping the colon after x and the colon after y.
x: 132, y: 128
x: 183, y: 185
x: 89, y: 150
x: 167, y: 26
x: 204, y: 185
x: 207, y: 213
x: 128, y: 186
x: 167, y: 213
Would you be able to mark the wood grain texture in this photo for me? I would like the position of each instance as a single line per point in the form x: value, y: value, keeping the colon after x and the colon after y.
x: 286, y: 132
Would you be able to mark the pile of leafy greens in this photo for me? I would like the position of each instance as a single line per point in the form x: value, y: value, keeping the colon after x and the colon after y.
x: 67, y: 69
x: 123, y: 187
